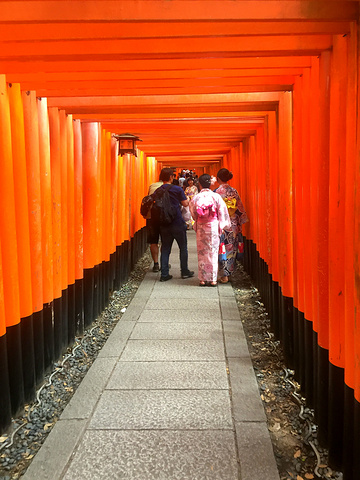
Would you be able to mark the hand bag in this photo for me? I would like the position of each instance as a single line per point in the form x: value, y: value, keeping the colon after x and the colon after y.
x: 185, y: 212
x: 222, y: 252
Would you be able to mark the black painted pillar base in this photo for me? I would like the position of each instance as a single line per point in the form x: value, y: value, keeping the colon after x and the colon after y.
x: 348, y: 434
x: 5, y: 403
x: 309, y: 362
x: 356, y: 439
x: 39, y: 344
x: 28, y: 358
x: 96, y: 292
x: 118, y: 266
x: 287, y: 329
x: 108, y: 282
x: 322, y: 395
x: 126, y: 260
x: 79, y: 307
x: 48, y: 326
x: 303, y: 352
x: 113, y: 271
x: 275, y: 309
x: 336, y: 415
x: 15, y: 365
x: 58, y: 328
x: 89, y: 314
x: 64, y: 313
x: 71, y: 314
x: 101, y: 287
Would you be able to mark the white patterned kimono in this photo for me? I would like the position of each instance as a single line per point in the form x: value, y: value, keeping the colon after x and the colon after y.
x: 211, y: 216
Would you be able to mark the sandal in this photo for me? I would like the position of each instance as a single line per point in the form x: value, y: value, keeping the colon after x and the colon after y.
x: 224, y: 279
x: 212, y: 284
x: 202, y: 284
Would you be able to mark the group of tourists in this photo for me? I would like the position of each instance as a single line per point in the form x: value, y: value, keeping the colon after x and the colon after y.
x: 217, y: 218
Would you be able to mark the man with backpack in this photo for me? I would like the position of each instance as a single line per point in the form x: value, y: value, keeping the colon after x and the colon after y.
x: 153, y: 230
x: 166, y: 211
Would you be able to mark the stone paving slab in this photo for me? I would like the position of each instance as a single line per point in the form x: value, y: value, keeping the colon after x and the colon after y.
x: 181, y: 316
x: 115, y: 344
x: 183, y: 331
x: 256, y: 454
x: 200, y: 305
x: 56, y: 452
x: 225, y: 290
x: 163, y: 409
x: 173, y: 350
x: 246, y: 402
x: 169, y: 375
x: 134, y: 310
x: 164, y: 291
x: 155, y: 455
x: 87, y: 395
x: 235, y: 340
x: 229, y: 308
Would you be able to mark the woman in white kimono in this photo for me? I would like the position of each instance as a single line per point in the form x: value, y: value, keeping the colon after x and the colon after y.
x: 211, y: 216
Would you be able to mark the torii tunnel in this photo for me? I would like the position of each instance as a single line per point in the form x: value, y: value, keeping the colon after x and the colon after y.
x: 266, y: 88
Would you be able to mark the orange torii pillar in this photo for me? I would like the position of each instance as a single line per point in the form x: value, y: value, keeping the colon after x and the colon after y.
x: 114, y: 206
x: 320, y: 190
x: 19, y: 155
x: 91, y: 194
x: 337, y: 189
x: 78, y: 232
x: 33, y: 330
x: 59, y: 327
x: 8, y: 241
x: 5, y: 403
x: 351, y: 450
x: 71, y: 229
x: 47, y: 233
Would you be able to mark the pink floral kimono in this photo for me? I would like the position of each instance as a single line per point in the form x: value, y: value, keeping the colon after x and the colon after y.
x: 211, y: 216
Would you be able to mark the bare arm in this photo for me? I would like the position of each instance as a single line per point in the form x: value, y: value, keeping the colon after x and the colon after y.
x: 185, y: 203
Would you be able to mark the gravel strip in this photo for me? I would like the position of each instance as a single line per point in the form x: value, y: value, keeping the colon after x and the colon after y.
x: 29, y: 431
x: 290, y: 421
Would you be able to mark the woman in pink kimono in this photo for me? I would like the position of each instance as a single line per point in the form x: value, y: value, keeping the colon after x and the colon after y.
x: 211, y: 216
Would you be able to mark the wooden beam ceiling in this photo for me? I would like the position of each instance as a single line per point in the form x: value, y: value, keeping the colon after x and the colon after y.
x: 192, y: 78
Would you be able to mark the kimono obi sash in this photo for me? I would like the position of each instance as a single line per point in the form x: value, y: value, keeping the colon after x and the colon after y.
x: 206, y: 213
x: 231, y: 205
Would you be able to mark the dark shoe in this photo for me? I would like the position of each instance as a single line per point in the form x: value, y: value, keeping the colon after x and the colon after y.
x: 156, y: 268
x: 165, y: 279
x: 187, y: 274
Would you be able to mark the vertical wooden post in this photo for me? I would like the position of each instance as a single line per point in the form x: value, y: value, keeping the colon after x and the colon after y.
x: 47, y: 234
x: 78, y: 232
x: 55, y: 162
x: 91, y: 194
x: 9, y: 255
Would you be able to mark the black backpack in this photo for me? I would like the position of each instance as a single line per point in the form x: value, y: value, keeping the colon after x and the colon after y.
x: 163, y: 211
x: 146, y: 204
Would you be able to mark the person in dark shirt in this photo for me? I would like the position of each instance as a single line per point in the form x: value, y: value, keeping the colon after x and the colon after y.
x: 175, y: 231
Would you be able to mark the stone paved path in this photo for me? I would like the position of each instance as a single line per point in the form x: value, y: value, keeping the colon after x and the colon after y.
x: 171, y: 396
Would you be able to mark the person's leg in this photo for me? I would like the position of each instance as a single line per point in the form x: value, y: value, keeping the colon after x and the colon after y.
x: 179, y: 233
x: 154, y: 249
x: 153, y: 235
x: 166, y: 244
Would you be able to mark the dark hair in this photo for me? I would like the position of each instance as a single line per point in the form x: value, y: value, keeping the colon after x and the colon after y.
x: 224, y: 175
x: 165, y: 174
x: 205, y: 180
x: 190, y: 178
